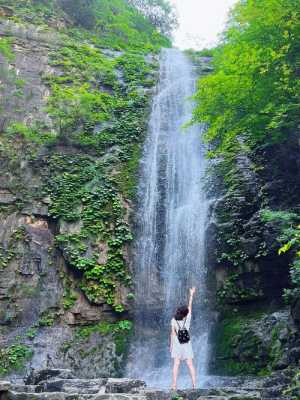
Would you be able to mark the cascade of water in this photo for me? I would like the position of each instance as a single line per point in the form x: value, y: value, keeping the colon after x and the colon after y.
x: 171, y: 216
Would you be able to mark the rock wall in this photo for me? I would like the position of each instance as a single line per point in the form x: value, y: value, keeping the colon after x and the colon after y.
x: 69, y: 151
x: 256, y: 331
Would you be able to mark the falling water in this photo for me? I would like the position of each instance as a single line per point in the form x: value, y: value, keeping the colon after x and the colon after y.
x: 169, y: 251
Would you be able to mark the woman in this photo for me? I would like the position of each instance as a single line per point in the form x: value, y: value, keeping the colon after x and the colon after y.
x: 182, y: 351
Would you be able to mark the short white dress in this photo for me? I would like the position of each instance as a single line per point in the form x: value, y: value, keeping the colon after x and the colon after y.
x: 181, y: 350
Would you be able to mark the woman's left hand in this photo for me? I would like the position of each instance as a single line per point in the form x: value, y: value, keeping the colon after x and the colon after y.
x: 192, y: 291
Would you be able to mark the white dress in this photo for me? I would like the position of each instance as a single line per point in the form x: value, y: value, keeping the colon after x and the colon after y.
x: 181, y: 350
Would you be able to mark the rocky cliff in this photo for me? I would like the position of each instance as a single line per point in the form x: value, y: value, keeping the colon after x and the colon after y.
x: 256, y: 206
x: 73, y: 115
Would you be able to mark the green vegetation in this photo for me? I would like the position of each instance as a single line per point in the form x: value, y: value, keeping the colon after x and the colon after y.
x: 159, y: 12
x: 104, y: 328
x: 98, y: 106
x: 108, y: 23
x: 289, y: 240
x: 252, y: 97
x: 14, y: 357
x: 6, y: 49
x: 250, y: 102
x: 242, y: 350
x: 28, y: 133
x: 9, y: 252
x: 293, y: 391
x: 120, y: 332
x: 81, y: 191
x: 232, y: 292
x: 194, y: 54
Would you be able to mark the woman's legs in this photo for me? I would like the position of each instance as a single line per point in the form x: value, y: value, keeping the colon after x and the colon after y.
x: 192, y: 370
x: 175, y: 372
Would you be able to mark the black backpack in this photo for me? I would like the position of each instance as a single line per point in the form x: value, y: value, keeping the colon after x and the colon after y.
x: 182, y: 333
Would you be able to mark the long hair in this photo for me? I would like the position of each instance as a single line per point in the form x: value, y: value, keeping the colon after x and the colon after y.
x: 181, y: 313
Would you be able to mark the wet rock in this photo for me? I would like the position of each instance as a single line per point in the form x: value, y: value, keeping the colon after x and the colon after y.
x: 23, y: 388
x: 115, y: 385
x: 123, y: 396
x: 4, y: 386
x: 36, y: 377
x: 6, y: 197
x: 294, y: 354
x: 36, y: 208
x: 75, y: 386
x: 295, y: 311
x: 34, y: 396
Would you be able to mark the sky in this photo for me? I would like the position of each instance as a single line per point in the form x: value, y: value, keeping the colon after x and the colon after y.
x: 200, y: 22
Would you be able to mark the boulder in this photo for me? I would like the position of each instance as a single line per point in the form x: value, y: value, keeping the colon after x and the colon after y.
x: 4, y: 386
x: 35, y: 377
x: 115, y: 385
x: 6, y: 197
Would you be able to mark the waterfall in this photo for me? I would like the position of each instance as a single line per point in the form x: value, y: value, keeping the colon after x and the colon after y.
x: 171, y: 217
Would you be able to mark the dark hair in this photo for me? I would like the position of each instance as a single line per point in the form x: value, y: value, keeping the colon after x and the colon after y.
x: 181, y: 313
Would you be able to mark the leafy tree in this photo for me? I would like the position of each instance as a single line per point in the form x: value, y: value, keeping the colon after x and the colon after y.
x: 160, y: 13
x: 253, y: 96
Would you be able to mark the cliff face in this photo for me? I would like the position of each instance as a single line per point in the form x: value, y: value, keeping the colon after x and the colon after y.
x: 74, y: 113
x: 257, y: 331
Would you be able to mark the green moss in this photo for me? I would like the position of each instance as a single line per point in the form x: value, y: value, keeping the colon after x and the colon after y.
x: 69, y: 299
x: 293, y: 390
x: 6, y: 49
x: 105, y: 328
x: 233, y: 341
x: 127, y: 177
x: 115, y: 24
x: 98, y: 105
x: 9, y: 252
x: 29, y: 133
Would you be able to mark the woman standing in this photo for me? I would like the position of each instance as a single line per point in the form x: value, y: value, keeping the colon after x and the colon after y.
x: 180, y: 343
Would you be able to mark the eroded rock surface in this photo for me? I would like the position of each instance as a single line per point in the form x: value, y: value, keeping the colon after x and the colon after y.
x: 62, y: 385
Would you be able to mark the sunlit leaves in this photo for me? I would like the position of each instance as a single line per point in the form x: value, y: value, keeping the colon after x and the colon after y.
x: 254, y: 90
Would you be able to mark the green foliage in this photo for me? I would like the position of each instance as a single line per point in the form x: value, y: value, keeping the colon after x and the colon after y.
x: 194, y: 54
x: 6, y: 49
x: 293, y: 390
x: 229, y: 331
x: 83, y: 12
x: 81, y: 111
x: 289, y: 239
x: 252, y: 97
x: 108, y: 23
x: 160, y: 13
x: 9, y: 252
x: 31, y: 333
x: 98, y: 105
x: 232, y: 292
x: 80, y: 191
x: 123, y: 327
x: 239, y: 350
x: 13, y: 358
x: 6, y: 255
x: 29, y: 133
x: 46, y: 319
x: 69, y: 298
x: 126, y: 179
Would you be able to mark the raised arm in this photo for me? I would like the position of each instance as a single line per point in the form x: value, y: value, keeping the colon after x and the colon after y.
x: 192, y: 292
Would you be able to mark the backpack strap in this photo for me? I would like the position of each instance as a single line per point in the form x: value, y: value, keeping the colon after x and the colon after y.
x: 182, y: 325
